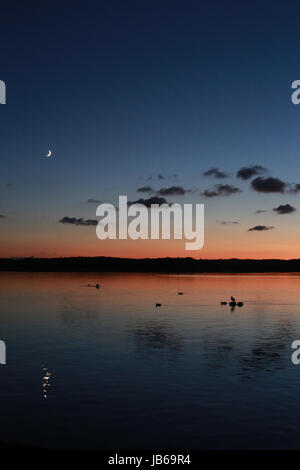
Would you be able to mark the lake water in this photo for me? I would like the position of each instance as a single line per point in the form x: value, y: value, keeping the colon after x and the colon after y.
x: 106, y: 369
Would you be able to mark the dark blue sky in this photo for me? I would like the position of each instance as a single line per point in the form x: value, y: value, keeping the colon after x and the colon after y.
x: 122, y: 90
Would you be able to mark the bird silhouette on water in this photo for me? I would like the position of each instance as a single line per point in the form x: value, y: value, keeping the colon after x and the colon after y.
x: 92, y: 285
x: 233, y: 303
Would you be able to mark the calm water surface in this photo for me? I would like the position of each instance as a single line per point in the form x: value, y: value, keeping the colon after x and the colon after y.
x: 105, y: 369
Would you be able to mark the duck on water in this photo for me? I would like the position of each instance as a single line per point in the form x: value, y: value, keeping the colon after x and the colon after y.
x: 232, y: 303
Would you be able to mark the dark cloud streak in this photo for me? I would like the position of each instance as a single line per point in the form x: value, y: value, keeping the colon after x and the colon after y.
x: 268, y: 185
x: 149, y: 202
x: 145, y: 189
x: 216, y: 173
x: 284, y: 209
x: 227, y: 222
x: 259, y: 228
x: 246, y: 173
x: 221, y: 190
x: 173, y: 191
x: 77, y: 221
x: 93, y: 201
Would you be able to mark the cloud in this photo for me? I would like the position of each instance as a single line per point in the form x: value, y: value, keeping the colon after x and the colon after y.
x: 260, y: 228
x: 274, y: 185
x: 221, y: 190
x: 145, y: 189
x: 246, y: 172
x: 261, y: 211
x: 173, y: 191
x: 75, y: 221
x: 216, y: 173
x: 93, y: 201
x: 2, y: 216
x: 159, y: 177
x: 284, y: 209
x: 293, y: 188
x: 268, y: 185
x: 148, y: 202
x: 227, y: 222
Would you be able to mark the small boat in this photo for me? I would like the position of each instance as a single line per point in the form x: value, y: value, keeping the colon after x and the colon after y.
x: 180, y: 292
x: 157, y: 305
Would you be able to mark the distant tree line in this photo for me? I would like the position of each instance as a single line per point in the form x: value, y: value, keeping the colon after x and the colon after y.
x: 162, y: 265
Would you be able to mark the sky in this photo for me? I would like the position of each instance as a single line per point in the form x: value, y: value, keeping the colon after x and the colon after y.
x: 133, y: 94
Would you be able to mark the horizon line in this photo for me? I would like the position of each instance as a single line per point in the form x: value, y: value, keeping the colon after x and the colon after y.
x: 20, y: 258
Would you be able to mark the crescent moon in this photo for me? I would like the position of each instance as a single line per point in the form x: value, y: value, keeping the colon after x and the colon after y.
x: 49, y: 153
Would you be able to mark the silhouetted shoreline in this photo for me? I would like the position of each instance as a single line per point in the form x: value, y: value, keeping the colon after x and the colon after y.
x: 159, y: 265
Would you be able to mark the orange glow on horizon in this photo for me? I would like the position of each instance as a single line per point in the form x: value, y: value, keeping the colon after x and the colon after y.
x: 220, y: 243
